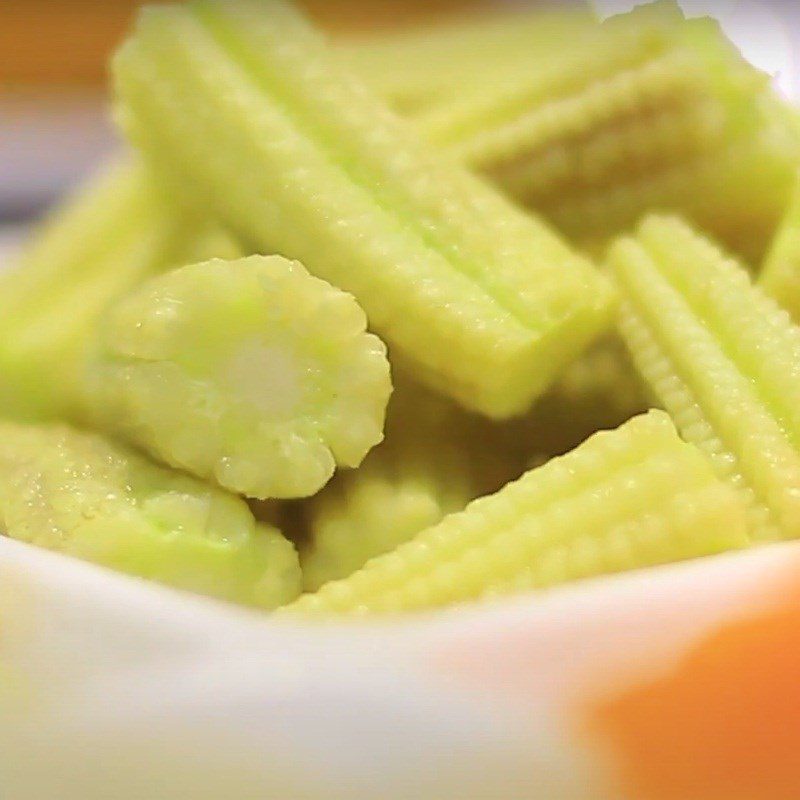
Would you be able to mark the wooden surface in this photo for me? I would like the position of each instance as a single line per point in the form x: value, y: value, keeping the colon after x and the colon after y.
x: 68, y: 42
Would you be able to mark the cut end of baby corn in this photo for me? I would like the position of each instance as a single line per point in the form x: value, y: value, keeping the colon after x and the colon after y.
x: 82, y: 495
x: 780, y: 272
x: 722, y: 358
x: 628, y: 498
x: 435, y: 459
x: 247, y: 106
x: 251, y: 373
x: 646, y: 110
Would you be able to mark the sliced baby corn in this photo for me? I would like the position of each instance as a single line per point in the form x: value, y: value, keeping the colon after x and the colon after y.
x: 246, y: 104
x: 435, y: 459
x: 627, y: 498
x: 722, y: 359
x: 780, y: 272
x: 117, y: 231
x: 110, y: 236
x: 642, y: 97
x: 82, y: 495
x: 737, y: 192
x: 251, y: 373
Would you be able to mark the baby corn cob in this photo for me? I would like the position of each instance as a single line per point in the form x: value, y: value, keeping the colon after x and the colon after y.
x: 104, y: 241
x: 250, y: 373
x: 118, y: 231
x: 645, y: 111
x: 435, y: 459
x: 246, y: 103
x: 627, y: 498
x: 780, y: 273
x: 82, y: 495
x: 737, y: 193
x: 721, y: 357
x: 418, y: 67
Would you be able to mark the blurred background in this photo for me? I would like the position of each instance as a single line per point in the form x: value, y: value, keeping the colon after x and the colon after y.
x: 54, y: 120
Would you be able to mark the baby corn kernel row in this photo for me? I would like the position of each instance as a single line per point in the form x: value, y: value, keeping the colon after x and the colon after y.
x: 631, y: 497
x: 722, y: 359
x: 328, y: 341
x: 434, y: 460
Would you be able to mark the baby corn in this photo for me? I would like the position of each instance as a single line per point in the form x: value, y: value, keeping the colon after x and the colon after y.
x: 599, y: 391
x: 250, y: 373
x: 82, y: 495
x: 721, y: 357
x: 434, y: 461
x: 104, y: 241
x: 627, y: 498
x: 642, y: 112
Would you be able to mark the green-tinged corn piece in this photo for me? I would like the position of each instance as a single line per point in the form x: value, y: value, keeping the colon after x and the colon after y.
x: 643, y: 112
x: 244, y: 101
x: 418, y: 67
x: 624, y: 499
x: 737, y: 193
x: 106, y: 239
x: 80, y: 494
x: 251, y: 373
x: 115, y: 233
x: 780, y: 272
x: 434, y: 461
x: 722, y: 359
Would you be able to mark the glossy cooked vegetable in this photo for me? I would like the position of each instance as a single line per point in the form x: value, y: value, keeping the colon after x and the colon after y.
x: 251, y: 373
x: 258, y: 135
x: 246, y: 103
x: 106, y: 239
x: 118, y: 230
x: 83, y: 495
x: 624, y: 499
x: 434, y: 460
x: 648, y: 110
x: 722, y: 359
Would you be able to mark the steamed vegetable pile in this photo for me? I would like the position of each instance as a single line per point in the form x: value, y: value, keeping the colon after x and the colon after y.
x: 417, y: 319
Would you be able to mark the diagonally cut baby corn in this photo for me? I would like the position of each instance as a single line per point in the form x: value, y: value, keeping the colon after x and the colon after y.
x: 244, y: 101
x: 80, y: 494
x: 435, y: 459
x: 250, y: 373
x: 738, y: 192
x: 722, y: 359
x: 49, y: 302
x: 627, y: 498
x: 116, y: 232
x: 643, y: 111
